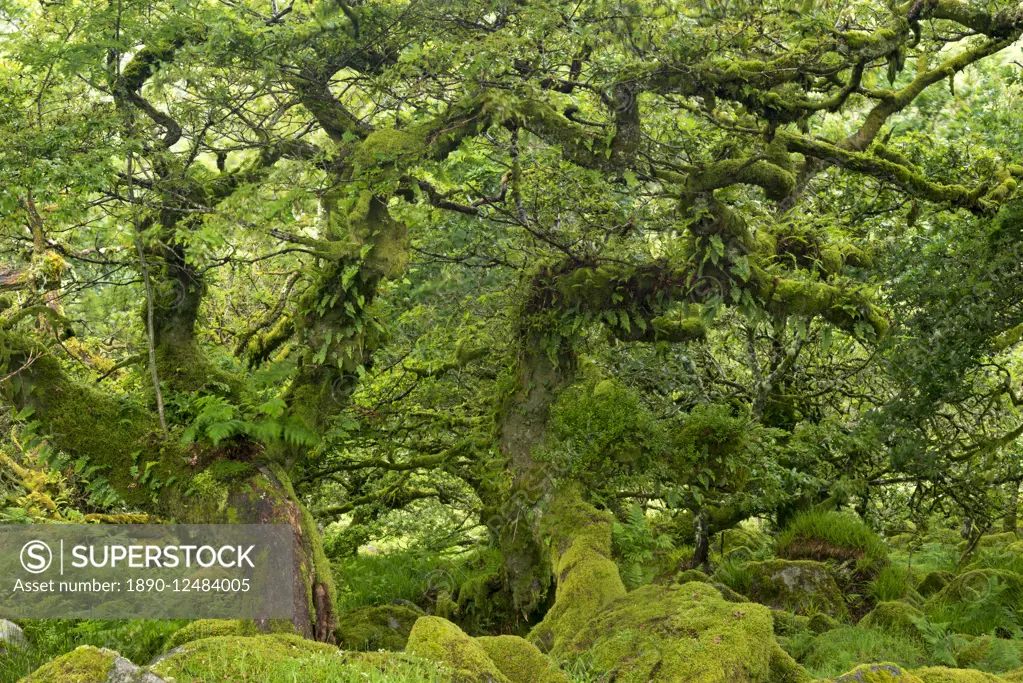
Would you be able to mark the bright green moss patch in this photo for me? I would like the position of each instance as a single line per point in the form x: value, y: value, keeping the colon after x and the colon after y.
x: 877, y: 673
x: 893, y: 616
x: 383, y: 627
x: 438, y: 640
x: 85, y: 664
x: 287, y: 659
x: 587, y: 578
x: 520, y: 660
x: 940, y: 674
x: 842, y: 537
x: 682, y: 633
x: 208, y: 628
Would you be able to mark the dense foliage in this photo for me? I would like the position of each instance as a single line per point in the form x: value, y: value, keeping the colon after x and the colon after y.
x: 511, y: 307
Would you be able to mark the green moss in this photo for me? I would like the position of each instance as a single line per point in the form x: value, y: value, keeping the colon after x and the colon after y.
x: 989, y: 653
x: 835, y: 536
x: 387, y: 147
x: 85, y: 664
x: 786, y: 623
x: 989, y: 540
x: 208, y: 628
x: 801, y: 586
x: 439, y: 640
x: 289, y: 658
x: 893, y: 616
x: 692, y: 575
x: 587, y: 579
x: 520, y: 661
x: 877, y: 673
x: 382, y: 627
x: 681, y: 633
x: 229, y: 470
x: 821, y: 623
x: 940, y: 674
x: 934, y: 582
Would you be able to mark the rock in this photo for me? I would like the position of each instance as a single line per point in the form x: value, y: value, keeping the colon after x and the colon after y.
x: 787, y: 623
x: 991, y: 540
x: 822, y: 623
x: 287, y: 657
x: 520, y: 661
x: 209, y: 628
x: 89, y: 664
x: 382, y: 627
x: 934, y: 582
x: 940, y: 674
x: 11, y: 637
x: 800, y: 586
x: 877, y: 673
x: 440, y: 641
x: 893, y: 616
x: 684, y: 633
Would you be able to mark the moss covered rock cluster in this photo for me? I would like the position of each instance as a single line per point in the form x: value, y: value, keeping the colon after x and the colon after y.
x: 381, y: 627
x: 799, y: 586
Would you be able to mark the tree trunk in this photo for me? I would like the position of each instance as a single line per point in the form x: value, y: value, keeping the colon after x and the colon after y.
x: 1010, y: 522
x: 522, y: 423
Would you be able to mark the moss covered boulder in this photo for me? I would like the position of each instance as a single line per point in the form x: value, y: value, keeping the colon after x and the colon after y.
x: 438, y: 640
x: 991, y: 540
x: 521, y: 661
x: 682, y: 633
x: 281, y: 657
x: 787, y: 623
x: 836, y: 536
x: 893, y: 616
x: 822, y: 623
x: 800, y: 586
x: 208, y: 628
x: 877, y: 673
x: 89, y: 664
x: 381, y: 627
x: 940, y: 674
x: 934, y: 582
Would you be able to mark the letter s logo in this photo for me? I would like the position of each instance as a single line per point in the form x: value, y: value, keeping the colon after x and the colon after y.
x: 36, y: 557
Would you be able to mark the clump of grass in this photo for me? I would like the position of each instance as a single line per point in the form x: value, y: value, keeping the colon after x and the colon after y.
x: 891, y: 583
x: 839, y: 536
x: 835, y: 652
